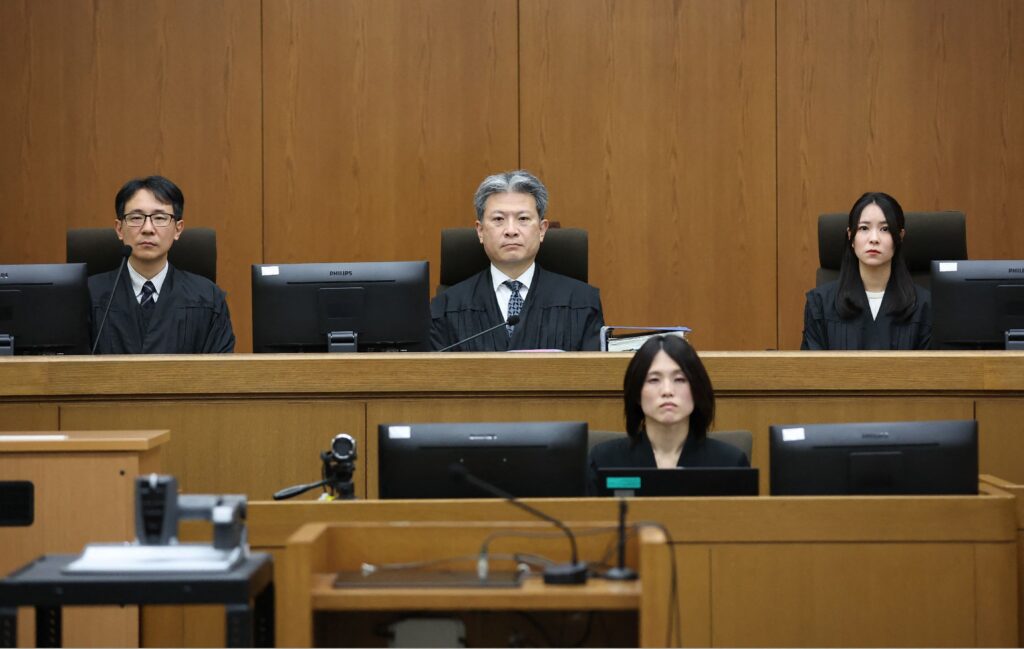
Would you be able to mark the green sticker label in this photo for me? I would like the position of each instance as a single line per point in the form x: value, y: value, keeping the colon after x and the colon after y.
x: 623, y: 482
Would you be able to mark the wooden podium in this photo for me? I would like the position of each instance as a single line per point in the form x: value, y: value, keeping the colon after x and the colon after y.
x: 317, y: 551
x: 84, y: 483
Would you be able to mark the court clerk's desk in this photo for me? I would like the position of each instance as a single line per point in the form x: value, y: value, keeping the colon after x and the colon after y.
x: 252, y: 424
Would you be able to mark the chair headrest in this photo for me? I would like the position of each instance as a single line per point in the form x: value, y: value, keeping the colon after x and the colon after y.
x: 100, y: 249
x: 930, y: 235
x: 563, y: 251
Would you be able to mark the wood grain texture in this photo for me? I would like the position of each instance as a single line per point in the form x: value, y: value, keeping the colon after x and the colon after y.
x: 844, y: 595
x: 652, y: 122
x: 250, y: 448
x: 922, y: 99
x: 97, y: 93
x: 247, y: 376
x: 82, y: 440
x: 381, y: 116
x: 29, y: 416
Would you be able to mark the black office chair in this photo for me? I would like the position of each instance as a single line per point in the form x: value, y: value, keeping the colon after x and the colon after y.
x: 930, y: 235
x: 563, y: 251
x: 100, y: 249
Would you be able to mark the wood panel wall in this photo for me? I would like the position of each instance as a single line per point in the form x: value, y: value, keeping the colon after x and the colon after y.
x: 697, y: 140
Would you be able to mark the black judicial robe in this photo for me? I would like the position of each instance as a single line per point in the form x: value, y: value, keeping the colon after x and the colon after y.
x: 190, y: 316
x: 559, y: 313
x: 824, y: 329
x: 619, y: 453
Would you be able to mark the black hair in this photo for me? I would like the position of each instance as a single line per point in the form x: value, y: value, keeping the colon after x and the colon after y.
x: 686, y: 357
x: 163, y: 189
x: 900, y: 295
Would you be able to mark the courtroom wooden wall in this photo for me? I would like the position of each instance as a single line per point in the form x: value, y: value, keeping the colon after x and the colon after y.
x: 697, y: 140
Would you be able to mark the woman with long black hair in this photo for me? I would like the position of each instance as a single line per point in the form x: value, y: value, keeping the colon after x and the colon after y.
x: 874, y: 304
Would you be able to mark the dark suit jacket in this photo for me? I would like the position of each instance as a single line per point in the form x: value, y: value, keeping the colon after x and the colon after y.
x: 620, y: 452
x: 825, y: 330
x: 190, y: 317
x: 559, y: 313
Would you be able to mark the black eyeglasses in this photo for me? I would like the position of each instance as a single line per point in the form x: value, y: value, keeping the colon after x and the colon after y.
x: 136, y: 219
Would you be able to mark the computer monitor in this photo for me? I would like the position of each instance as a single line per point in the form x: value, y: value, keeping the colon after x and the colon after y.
x: 903, y: 457
x: 368, y: 306
x: 528, y: 460
x: 44, y: 309
x: 975, y: 303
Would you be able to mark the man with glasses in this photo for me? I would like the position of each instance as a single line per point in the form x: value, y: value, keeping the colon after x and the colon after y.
x: 156, y: 308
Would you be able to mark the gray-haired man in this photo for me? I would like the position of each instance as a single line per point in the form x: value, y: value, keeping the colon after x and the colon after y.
x: 555, y: 311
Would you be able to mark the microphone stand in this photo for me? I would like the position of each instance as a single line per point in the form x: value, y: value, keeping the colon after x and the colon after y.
x: 512, y: 321
x: 621, y: 572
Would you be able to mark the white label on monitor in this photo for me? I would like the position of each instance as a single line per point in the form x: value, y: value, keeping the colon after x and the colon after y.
x: 399, y: 432
x: 947, y: 266
x: 269, y: 270
x: 792, y: 434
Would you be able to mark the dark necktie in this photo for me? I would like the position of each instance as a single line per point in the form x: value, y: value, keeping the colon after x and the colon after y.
x: 515, y: 303
x: 147, y: 303
x: 148, y: 291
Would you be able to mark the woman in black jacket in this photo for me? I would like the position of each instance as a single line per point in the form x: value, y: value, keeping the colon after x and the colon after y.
x: 669, y: 406
x: 874, y: 304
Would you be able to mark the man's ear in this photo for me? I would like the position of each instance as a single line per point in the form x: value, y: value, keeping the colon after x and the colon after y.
x: 118, y: 228
x: 543, y: 228
x: 480, y: 231
x: 179, y: 225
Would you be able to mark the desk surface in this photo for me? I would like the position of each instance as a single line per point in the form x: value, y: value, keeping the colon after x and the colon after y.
x: 66, y: 441
x: 534, y: 594
x: 365, y: 375
x: 41, y: 582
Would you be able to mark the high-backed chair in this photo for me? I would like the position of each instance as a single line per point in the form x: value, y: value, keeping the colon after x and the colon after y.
x: 930, y: 235
x: 563, y: 251
x: 741, y: 439
x: 100, y: 249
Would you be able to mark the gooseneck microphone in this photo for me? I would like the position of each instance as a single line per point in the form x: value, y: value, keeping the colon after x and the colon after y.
x: 512, y: 321
x: 620, y: 572
x: 126, y: 252
x: 559, y: 573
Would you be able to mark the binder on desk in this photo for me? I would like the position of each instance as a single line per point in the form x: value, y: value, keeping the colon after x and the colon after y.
x: 630, y: 339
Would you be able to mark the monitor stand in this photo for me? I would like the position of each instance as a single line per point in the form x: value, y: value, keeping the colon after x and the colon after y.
x: 342, y: 341
x: 1015, y: 339
x: 6, y: 345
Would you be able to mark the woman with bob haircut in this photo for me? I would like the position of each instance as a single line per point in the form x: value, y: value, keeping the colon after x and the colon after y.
x: 669, y: 406
x: 874, y: 304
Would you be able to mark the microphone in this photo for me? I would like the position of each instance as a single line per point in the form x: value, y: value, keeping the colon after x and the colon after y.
x: 126, y: 252
x: 559, y: 573
x: 512, y: 321
x: 621, y: 572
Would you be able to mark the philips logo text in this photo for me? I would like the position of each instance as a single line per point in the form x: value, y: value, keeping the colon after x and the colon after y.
x: 341, y: 273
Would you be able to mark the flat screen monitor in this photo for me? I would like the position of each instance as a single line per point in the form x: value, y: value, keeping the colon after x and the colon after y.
x: 975, y: 303
x: 44, y: 308
x: 902, y: 457
x: 545, y: 459
x: 368, y: 306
